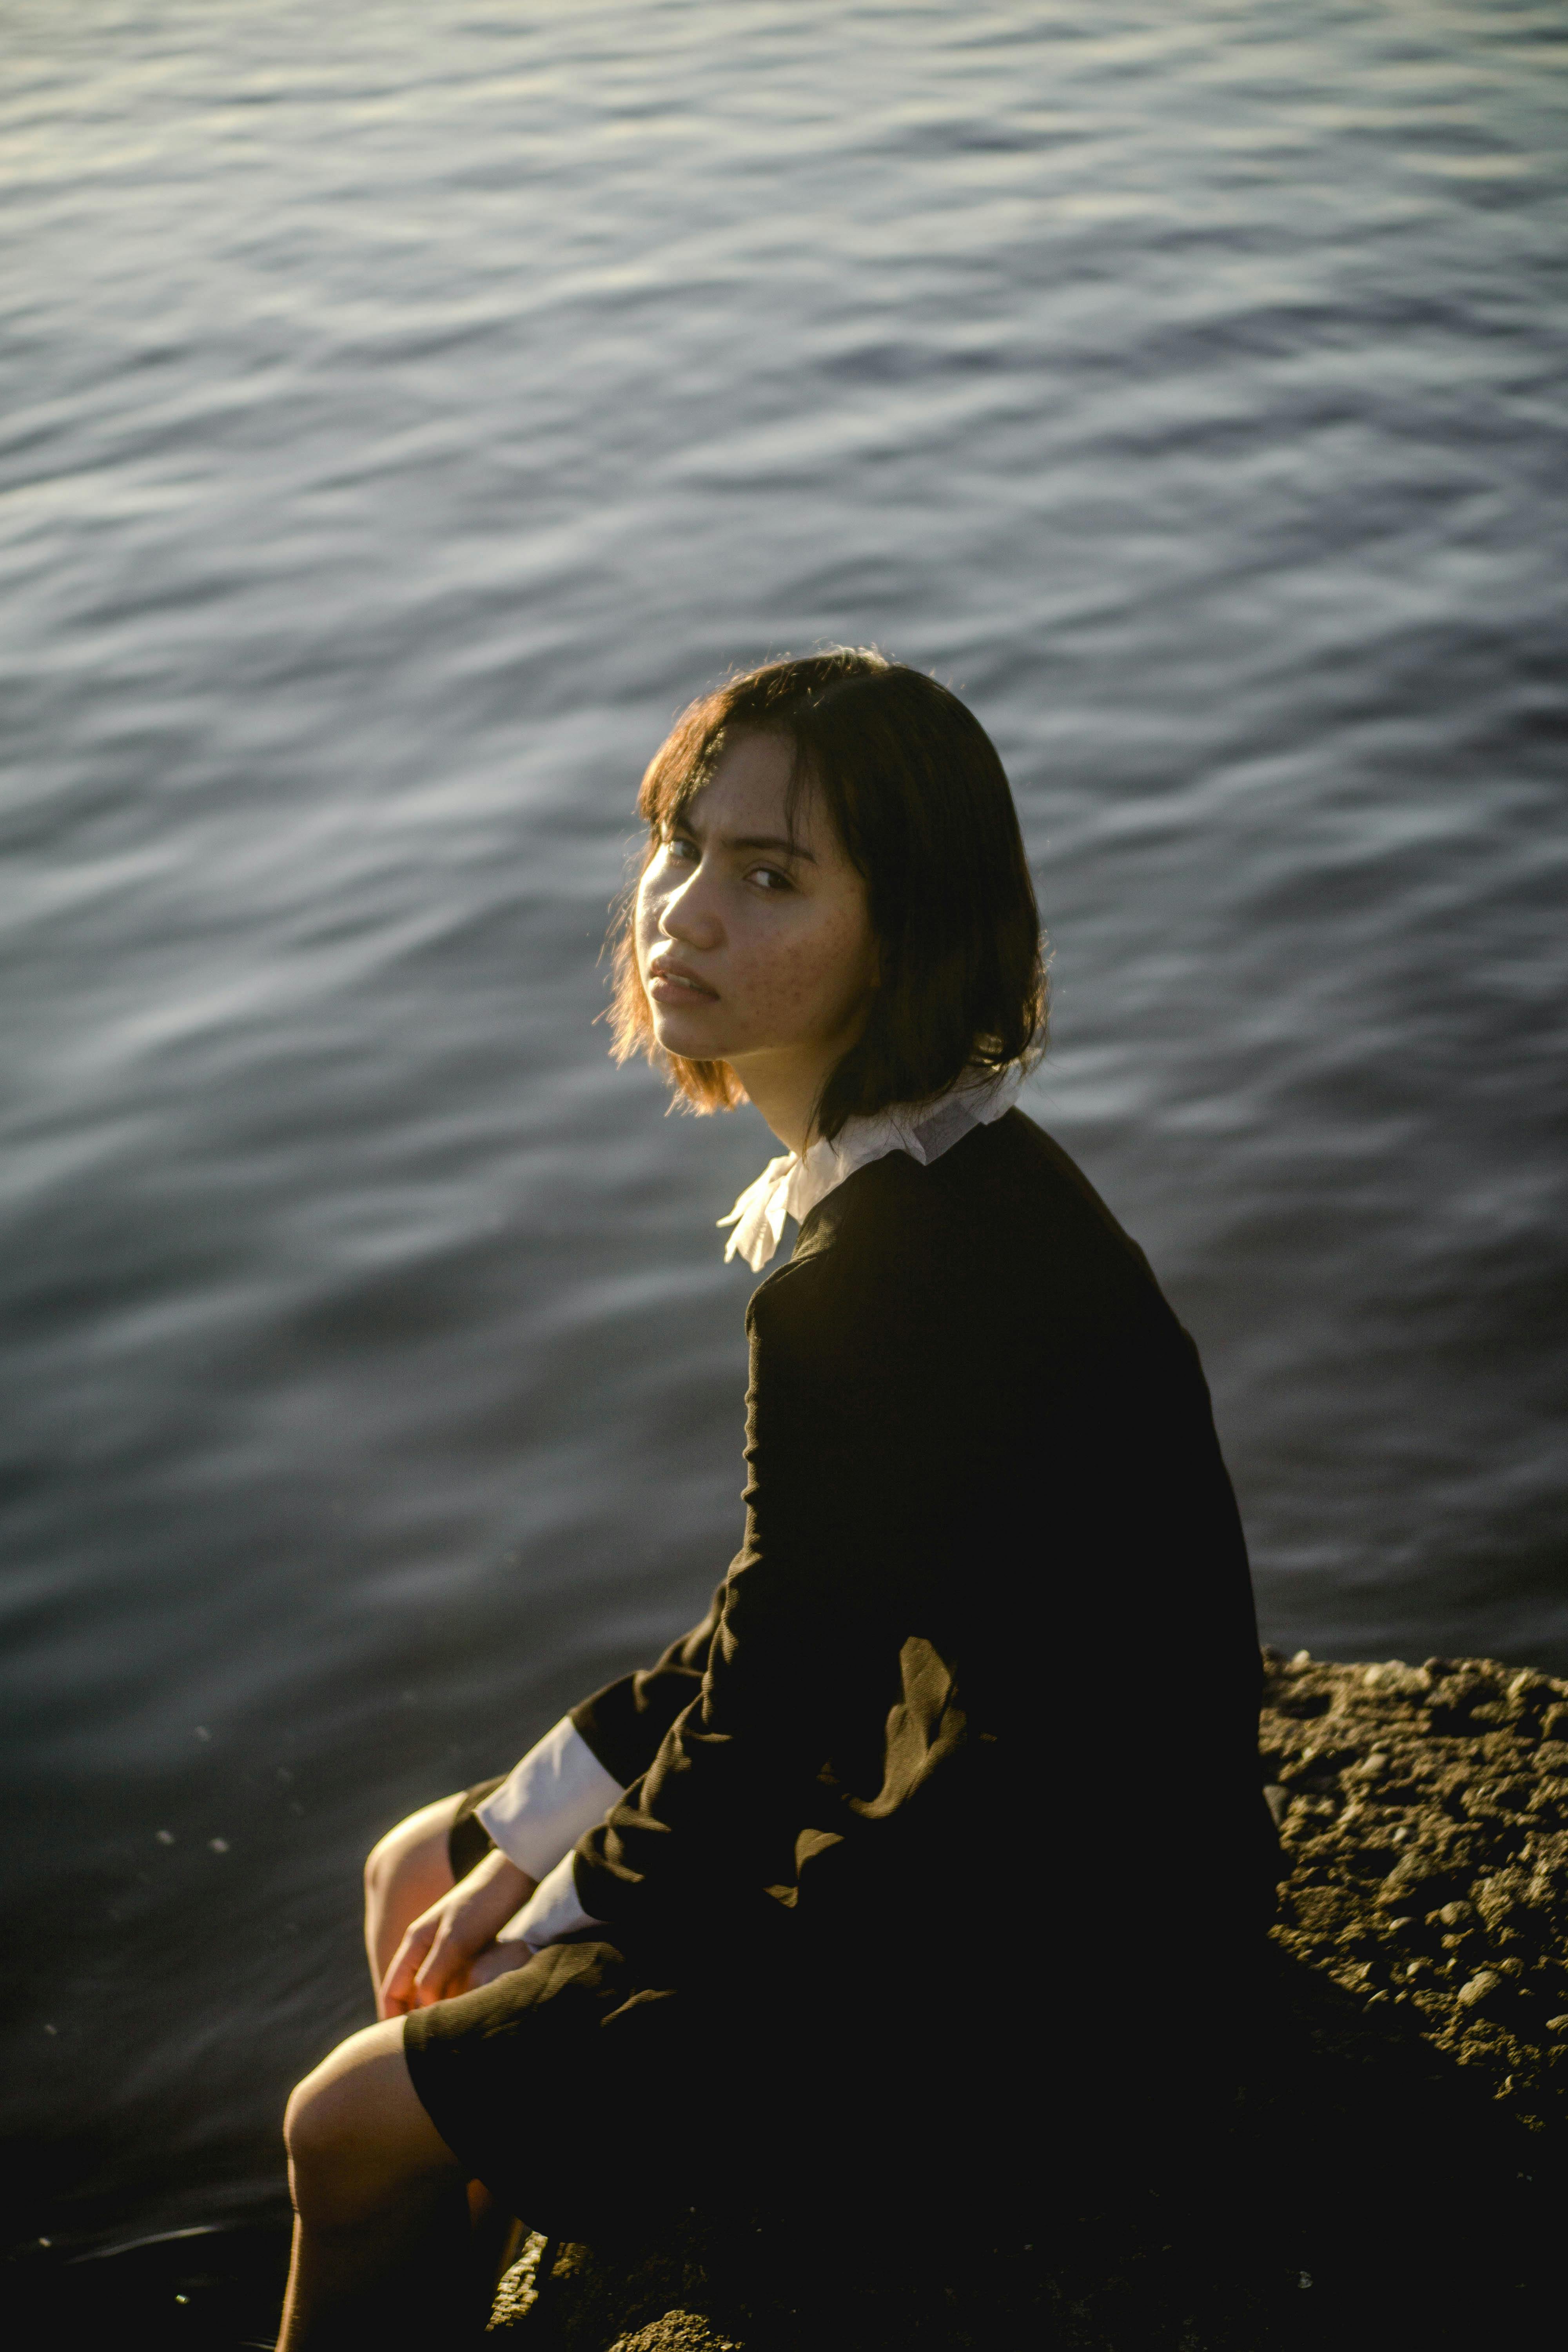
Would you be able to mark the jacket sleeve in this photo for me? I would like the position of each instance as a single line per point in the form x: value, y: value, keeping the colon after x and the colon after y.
x: 624, y: 1722
x: 802, y: 1664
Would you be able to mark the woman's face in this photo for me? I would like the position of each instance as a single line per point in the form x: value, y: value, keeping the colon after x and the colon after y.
x: 756, y: 945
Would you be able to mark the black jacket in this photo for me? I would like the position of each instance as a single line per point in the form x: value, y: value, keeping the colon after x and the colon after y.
x: 988, y: 1648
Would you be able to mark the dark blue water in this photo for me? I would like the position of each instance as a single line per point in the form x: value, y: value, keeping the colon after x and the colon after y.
x: 407, y: 407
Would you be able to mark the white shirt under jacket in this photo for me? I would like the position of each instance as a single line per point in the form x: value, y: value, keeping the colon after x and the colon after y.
x: 561, y: 1791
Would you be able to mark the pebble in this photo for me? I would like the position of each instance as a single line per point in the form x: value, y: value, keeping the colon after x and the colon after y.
x: 1485, y: 1980
x: 1397, y: 1680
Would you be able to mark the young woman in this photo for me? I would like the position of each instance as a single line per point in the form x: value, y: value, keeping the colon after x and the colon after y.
x: 963, y: 1753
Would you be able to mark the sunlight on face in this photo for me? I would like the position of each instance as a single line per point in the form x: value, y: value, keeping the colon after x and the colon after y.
x: 755, y: 946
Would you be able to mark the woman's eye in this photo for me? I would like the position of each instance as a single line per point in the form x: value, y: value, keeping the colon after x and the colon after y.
x: 678, y: 845
x: 768, y: 877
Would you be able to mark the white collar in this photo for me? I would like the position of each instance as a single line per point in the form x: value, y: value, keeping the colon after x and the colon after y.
x: 792, y: 1186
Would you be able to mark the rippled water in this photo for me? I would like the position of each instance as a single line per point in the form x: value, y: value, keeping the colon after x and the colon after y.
x: 408, y: 407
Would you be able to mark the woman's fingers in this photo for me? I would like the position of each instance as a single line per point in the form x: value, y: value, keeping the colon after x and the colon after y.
x: 446, y: 1964
x: 397, y: 1994
x: 432, y: 1961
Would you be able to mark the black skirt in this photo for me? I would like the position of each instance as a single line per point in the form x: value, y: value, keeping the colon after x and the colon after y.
x: 598, y: 2090
x: 594, y: 2090
x: 468, y: 1839
x: 557, y: 2084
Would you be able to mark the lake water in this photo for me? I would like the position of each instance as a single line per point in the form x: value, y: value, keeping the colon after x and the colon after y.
x: 408, y: 407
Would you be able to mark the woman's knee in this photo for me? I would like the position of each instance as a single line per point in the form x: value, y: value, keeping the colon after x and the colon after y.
x: 356, y: 2132
x: 412, y: 1859
x: 329, y: 2113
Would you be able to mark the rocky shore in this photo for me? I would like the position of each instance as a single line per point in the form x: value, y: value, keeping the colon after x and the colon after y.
x: 1390, y: 2170
x: 1424, y: 1810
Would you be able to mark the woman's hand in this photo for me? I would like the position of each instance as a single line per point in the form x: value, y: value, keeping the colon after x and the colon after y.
x: 437, y: 1949
x: 496, y: 1960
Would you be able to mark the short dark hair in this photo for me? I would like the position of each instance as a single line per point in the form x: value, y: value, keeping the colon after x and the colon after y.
x: 923, y: 808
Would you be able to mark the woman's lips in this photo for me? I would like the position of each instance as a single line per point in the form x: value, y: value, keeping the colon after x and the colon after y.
x: 673, y: 984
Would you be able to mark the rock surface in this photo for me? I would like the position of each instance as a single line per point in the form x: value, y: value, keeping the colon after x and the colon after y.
x: 1424, y: 1810
x: 1390, y: 2170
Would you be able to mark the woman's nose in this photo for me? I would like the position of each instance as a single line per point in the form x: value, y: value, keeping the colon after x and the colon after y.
x: 688, y: 914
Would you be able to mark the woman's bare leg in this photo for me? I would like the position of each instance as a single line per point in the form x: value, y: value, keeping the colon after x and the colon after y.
x: 405, y: 1873
x: 382, y: 2250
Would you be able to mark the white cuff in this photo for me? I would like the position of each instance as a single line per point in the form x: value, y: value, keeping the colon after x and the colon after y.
x: 548, y: 1802
x: 552, y: 1911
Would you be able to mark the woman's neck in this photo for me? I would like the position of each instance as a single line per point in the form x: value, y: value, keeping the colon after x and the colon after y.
x: 785, y: 1084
